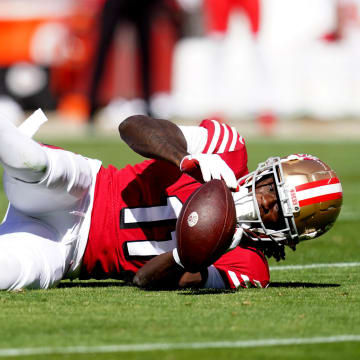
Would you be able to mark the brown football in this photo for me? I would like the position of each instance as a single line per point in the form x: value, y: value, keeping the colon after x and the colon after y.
x: 206, y: 225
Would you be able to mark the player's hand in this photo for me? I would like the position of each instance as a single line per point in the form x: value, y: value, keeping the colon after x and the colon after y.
x: 211, y: 166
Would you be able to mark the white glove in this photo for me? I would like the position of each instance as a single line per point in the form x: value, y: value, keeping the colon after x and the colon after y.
x: 212, y: 166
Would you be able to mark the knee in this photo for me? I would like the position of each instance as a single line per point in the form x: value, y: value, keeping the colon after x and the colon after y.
x: 10, y: 271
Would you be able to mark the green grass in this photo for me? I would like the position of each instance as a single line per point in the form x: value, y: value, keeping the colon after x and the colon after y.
x: 301, y: 303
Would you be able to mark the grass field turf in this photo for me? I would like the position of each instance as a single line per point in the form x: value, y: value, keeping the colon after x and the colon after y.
x: 305, y: 303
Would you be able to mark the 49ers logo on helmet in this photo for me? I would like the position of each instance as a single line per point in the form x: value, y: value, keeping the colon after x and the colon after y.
x: 294, y: 201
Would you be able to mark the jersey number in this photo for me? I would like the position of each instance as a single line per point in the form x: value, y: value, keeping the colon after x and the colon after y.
x: 150, y: 217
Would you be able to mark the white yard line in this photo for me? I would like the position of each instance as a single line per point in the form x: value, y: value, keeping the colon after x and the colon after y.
x: 314, y: 266
x: 349, y: 216
x: 177, y: 346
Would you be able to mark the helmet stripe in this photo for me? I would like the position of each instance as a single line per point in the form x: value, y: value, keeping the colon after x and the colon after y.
x: 314, y: 184
x: 318, y: 191
x: 322, y: 198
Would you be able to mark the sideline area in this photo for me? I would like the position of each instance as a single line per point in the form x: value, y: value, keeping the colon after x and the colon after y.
x: 289, y: 128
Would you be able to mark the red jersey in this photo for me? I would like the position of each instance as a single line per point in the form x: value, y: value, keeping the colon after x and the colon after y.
x: 136, y: 208
x: 244, y: 267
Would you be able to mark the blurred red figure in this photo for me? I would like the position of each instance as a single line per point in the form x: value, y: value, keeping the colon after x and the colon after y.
x: 267, y: 122
x: 217, y: 14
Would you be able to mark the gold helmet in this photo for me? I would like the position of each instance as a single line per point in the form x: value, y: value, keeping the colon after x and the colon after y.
x: 309, y: 193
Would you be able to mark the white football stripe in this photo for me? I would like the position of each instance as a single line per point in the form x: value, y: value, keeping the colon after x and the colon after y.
x: 318, y: 191
x: 225, y: 139
x: 215, y: 138
x: 102, y: 349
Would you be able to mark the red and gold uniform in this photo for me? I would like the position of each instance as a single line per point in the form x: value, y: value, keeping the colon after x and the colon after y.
x: 135, y: 211
x: 79, y: 219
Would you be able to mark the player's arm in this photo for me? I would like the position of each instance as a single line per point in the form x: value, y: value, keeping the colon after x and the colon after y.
x: 162, y: 272
x: 161, y: 139
x: 154, y: 138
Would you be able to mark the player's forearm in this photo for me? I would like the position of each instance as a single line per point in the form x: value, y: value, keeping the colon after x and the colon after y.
x: 154, y: 138
x: 162, y: 272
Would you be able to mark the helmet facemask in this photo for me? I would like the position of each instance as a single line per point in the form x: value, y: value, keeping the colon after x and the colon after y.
x: 285, y: 230
x: 309, y: 199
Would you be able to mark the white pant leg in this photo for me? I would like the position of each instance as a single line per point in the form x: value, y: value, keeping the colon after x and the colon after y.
x: 62, y: 202
x: 68, y: 179
x: 30, y: 254
x: 20, y: 156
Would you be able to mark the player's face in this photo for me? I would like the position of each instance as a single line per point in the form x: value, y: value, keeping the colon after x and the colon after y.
x: 267, y: 199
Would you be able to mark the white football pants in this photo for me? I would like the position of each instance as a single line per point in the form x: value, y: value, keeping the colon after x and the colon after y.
x: 44, y: 234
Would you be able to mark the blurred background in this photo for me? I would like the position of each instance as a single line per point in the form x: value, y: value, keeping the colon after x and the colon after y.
x: 268, y: 66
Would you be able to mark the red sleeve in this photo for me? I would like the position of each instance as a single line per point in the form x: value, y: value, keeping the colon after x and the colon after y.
x: 221, y: 137
x: 237, y: 161
x: 228, y: 144
x: 245, y: 267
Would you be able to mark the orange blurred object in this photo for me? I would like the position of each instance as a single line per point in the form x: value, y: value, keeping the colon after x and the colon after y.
x: 15, y: 40
x: 73, y: 107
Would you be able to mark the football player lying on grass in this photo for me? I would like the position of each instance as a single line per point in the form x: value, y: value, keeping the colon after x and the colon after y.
x: 69, y: 217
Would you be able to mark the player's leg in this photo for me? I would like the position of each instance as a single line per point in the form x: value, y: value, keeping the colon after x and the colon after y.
x: 111, y: 14
x: 60, y: 195
x: 67, y: 181
x: 38, y: 179
x: 29, y: 163
x: 20, y: 156
x: 30, y: 256
x: 63, y: 201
